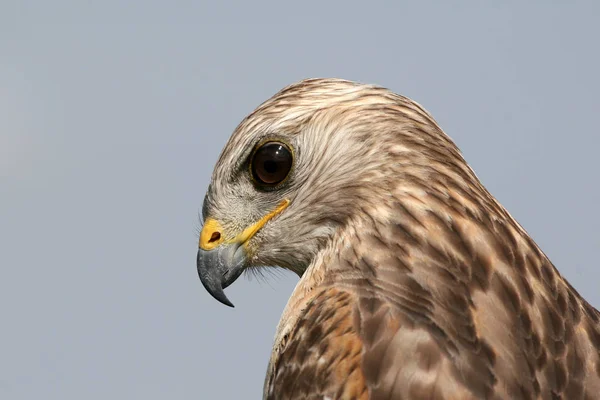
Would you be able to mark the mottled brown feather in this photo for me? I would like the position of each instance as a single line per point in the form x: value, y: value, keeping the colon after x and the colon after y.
x: 445, y: 318
x: 323, y: 359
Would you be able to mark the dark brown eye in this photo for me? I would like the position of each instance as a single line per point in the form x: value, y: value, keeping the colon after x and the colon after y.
x: 271, y: 163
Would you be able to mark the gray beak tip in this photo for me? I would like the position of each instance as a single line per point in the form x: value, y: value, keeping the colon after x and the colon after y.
x: 218, y: 268
x: 214, y: 288
x: 220, y: 296
x: 223, y: 299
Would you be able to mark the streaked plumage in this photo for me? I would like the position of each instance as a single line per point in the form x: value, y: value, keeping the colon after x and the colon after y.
x: 415, y: 282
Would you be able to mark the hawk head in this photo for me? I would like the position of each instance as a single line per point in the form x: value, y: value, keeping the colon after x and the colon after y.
x: 316, y: 156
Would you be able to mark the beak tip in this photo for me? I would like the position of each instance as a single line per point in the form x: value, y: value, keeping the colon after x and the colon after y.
x: 230, y: 304
x: 213, y: 286
x: 223, y: 299
x: 216, y: 291
x: 219, y: 268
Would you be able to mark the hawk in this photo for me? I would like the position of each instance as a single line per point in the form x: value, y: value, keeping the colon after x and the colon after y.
x: 415, y: 283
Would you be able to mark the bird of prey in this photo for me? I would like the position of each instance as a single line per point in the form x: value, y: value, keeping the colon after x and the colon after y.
x: 415, y: 283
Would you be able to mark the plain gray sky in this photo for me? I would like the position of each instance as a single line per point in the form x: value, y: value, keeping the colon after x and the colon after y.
x: 113, y: 114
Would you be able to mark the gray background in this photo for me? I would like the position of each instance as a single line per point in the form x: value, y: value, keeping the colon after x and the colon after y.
x: 112, y: 116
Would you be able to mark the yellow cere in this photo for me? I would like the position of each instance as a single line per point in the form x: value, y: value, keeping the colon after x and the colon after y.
x: 211, y: 227
x: 213, y: 230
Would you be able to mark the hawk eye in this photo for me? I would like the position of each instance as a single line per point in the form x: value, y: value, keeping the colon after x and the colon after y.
x: 271, y: 163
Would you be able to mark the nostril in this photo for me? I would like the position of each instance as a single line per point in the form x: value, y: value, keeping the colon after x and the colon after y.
x: 214, y: 237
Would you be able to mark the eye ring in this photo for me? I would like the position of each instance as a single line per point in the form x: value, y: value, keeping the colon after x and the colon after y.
x: 271, y: 163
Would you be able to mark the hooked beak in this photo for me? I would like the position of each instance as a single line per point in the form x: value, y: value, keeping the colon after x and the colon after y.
x: 220, y: 267
x: 220, y: 262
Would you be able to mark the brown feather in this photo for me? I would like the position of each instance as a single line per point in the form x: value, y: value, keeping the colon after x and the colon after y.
x: 459, y: 313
